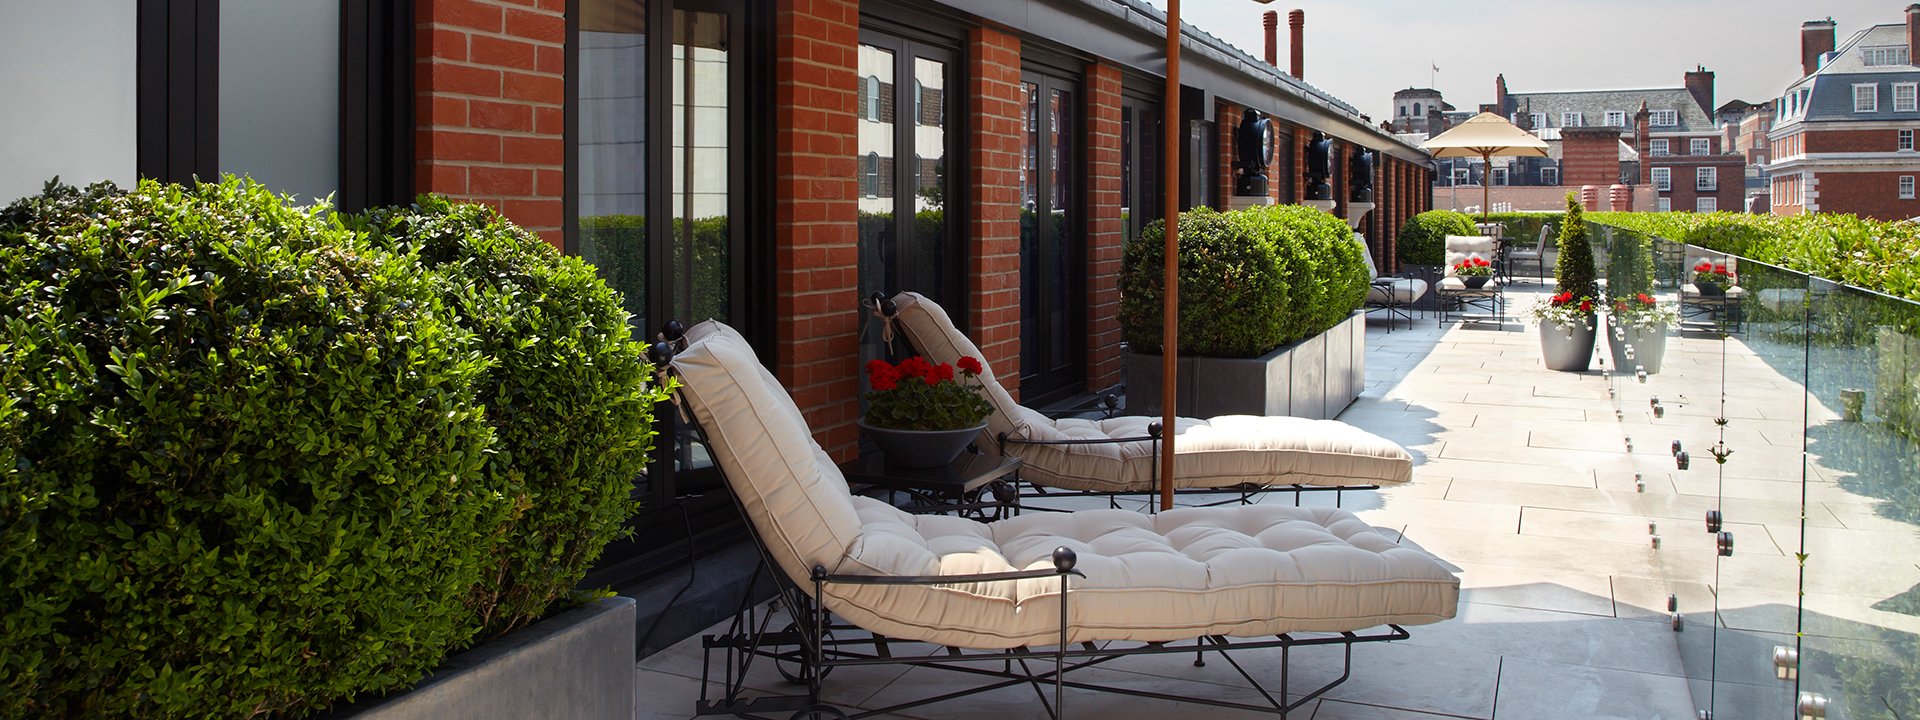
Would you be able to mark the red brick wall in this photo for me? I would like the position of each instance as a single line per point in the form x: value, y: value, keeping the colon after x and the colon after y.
x: 1589, y: 156
x: 993, y: 154
x: 488, y: 97
x: 1823, y: 141
x: 1867, y: 194
x: 1730, y: 192
x: 1300, y: 137
x: 1384, y: 211
x: 1226, y: 121
x: 1104, y: 234
x: 816, y: 264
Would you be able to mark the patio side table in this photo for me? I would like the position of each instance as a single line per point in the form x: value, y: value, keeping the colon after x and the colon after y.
x: 976, y: 484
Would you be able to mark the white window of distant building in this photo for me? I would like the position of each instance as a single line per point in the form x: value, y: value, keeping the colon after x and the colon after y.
x: 1570, y: 119
x: 1884, y: 55
x: 1866, y: 98
x: 1906, y: 140
x: 1706, y: 204
x: 871, y: 177
x: 1663, y: 205
x: 1616, y: 118
x: 1539, y: 120
x: 1500, y: 176
x: 1706, y: 179
x: 1663, y: 179
x: 1549, y: 176
x: 1906, y: 187
x: 1904, y: 95
x: 1699, y: 146
x: 1760, y: 159
x: 1657, y: 146
x: 873, y: 98
x: 1663, y: 118
x: 1462, y: 176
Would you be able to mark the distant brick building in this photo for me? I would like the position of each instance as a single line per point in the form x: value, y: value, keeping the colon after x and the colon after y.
x: 1843, y: 134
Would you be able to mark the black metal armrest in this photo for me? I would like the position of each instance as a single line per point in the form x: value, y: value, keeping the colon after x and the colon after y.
x: 1063, y: 561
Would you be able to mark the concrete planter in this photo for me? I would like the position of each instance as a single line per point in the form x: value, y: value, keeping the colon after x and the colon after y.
x: 577, y: 664
x: 1567, y: 349
x: 1649, y: 347
x: 1314, y: 378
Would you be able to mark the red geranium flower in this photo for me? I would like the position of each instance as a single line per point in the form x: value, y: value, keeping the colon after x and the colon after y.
x: 1644, y: 299
x: 940, y: 373
x: 970, y: 365
x: 915, y: 366
x: 1586, y: 306
x: 882, y: 376
x: 1703, y: 266
x: 1720, y: 268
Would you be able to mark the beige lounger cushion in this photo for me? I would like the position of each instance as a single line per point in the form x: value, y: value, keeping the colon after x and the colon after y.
x: 1244, y: 571
x: 1220, y: 452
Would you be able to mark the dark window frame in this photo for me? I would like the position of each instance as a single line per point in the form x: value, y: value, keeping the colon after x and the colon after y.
x: 178, y: 90
x: 1038, y: 386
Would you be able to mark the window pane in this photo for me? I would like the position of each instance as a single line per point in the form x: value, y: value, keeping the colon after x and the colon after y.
x: 1029, y: 233
x: 280, y: 94
x: 83, y: 137
x: 926, y: 266
x: 701, y: 121
x: 875, y: 146
x: 612, y: 147
x: 1060, y: 141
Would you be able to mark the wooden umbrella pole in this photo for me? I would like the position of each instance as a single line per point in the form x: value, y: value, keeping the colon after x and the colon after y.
x: 1486, y: 185
x: 1170, y: 294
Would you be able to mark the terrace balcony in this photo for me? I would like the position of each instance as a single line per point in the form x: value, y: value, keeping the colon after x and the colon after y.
x: 1592, y: 586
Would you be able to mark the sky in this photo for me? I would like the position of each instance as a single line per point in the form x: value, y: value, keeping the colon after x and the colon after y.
x: 1363, y: 51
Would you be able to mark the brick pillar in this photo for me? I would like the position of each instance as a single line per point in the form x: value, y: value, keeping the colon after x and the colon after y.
x: 1226, y: 121
x: 1104, y: 234
x: 1337, y: 161
x: 1384, y: 214
x: 488, y: 93
x: 994, y: 155
x: 1299, y: 181
x: 814, y: 215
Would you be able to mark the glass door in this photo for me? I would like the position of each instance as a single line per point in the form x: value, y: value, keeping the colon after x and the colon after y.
x: 905, y: 137
x: 1142, y: 190
x: 1050, y: 268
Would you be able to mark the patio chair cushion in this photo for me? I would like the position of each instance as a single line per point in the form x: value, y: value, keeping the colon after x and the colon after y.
x: 1244, y: 571
x: 1220, y: 452
x: 1461, y: 247
x: 1395, y: 291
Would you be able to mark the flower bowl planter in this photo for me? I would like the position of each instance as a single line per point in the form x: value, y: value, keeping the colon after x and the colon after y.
x: 577, y: 663
x: 1474, y: 282
x: 921, y: 448
x: 1649, y: 347
x: 1567, y: 349
x: 1710, y: 289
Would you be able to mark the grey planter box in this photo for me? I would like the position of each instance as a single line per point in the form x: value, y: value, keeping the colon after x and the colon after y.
x: 1315, y: 378
x: 577, y: 665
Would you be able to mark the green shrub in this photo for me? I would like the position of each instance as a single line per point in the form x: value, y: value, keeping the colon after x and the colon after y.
x: 1573, y: 270
x: 242, y: 458
x: 1250, y: 280
x: 616, y: 245
x: 1522, y: 229
x: 1423, y: 240
x: 568, y: 395
x: 1879, y: 256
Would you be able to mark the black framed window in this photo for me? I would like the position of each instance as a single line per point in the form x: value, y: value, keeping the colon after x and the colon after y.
x: 1142, y: 184
x: 907, y: 132
x: 1052, y: 276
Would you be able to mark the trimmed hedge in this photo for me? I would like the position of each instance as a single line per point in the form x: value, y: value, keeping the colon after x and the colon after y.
x: 1876, y: 255
x: 1423, y: 240
x: 252, y: 463
x: 1251, y: 280
x: 568, y: 395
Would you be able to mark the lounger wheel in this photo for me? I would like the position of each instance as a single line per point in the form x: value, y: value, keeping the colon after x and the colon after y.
x: 793, y: 666
x: 818, y: 712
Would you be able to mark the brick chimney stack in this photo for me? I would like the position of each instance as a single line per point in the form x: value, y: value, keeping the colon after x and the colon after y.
x: 1642, y: 131
x: 1297, y: 22
x: 1700, y: 80
x: 1500, y: 95
x: 1271, y: 21
x: 1913, y: 33
x: 1816, y: 39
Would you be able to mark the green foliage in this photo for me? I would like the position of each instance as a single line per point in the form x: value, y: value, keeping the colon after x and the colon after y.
x: 1250, y: 280
x: 1523, y: 228
x: 1423, y: 240
x: 1880, y: 256
x: 1573, y: 270
x: 242, y: 458
x: 615, y: 244
x: 568, y: 395
x: 919, y: 395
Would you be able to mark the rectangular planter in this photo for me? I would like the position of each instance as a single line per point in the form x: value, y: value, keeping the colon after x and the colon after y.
x: 1313, y: 378
x: 576, y: 664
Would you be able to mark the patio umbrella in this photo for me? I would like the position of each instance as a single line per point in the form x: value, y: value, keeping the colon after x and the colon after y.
x: 1484, y: 136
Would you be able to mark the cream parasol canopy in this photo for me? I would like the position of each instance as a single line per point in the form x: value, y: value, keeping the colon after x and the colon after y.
x: 1484, y: 136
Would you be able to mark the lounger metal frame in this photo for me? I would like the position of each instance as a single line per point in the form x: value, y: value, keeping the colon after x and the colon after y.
x: 810, y: 644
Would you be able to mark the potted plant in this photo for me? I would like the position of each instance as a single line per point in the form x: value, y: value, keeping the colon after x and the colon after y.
x: 921, y: 414
x: 1640, y: 321
x: 1711, y: 278
x: 1475, y: 271
x: 1568, y: 344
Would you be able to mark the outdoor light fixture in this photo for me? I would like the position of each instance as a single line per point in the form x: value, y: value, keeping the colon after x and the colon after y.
x: 1786, y: 663
x: 1811, y: 706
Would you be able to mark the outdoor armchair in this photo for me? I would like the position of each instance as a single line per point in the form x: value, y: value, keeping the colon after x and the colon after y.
x: 1455, y: 296
x: 1393, y: 294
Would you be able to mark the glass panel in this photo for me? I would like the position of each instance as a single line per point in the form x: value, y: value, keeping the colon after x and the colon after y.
x: 701, y: 125
x: 612, y: 147
x: 280, y: 94
x: 1030, y: 342
x: 1061, y: 270
x: 83, y: 137
x: 1127, y: 198
x: 876, y: 148
x: 926, y: 269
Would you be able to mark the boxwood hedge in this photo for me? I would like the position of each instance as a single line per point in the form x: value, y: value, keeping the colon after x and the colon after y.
x: 1250, y: 280
x: 1423, y: 240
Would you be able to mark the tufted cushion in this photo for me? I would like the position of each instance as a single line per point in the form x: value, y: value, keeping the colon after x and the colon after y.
x: 1221, y: 452
x: 1398, y: 291
x: 1243, y: 571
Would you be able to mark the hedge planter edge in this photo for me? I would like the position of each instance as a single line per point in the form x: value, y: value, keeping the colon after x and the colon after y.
x: 1317, y: 377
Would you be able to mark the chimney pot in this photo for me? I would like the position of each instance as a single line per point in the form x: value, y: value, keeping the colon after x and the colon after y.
x: 1700, y: 85
x: 1271, y: 21
x: 1913, y: 33
x: 1816, y: 39
x: 1297, y: 22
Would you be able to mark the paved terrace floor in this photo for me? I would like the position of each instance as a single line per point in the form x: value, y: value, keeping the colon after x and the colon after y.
x: 1523, y: 482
